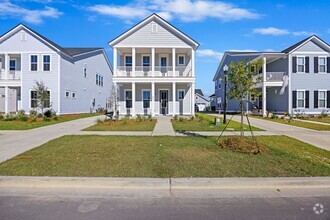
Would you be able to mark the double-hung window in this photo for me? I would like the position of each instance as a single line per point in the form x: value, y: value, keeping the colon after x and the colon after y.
x: 301, y: 99
x: 322, y: 99
x: 301, y: 64
x: 322, y: 64
x: 97, y: 79
x: 34, y: 63
x: 46, y: 62
x: 146, y: 98
x: 145, y: 61
x: 128, y: 99
x: 181, y: 94
x: 34, y: 100
x: 12, y: 65
x: 128, y: 61
x: 181, y: 60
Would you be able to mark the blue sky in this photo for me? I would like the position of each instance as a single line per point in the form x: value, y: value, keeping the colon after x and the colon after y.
x: 218, y: 26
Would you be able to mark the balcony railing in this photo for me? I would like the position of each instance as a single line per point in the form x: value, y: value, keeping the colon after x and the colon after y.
x: 271, y: 76
x: 12, y: 75
x: 160, y: 71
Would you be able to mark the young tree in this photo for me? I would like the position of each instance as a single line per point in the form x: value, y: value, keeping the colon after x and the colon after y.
x: 242, y: 80
x: 42, y: 95
x: 114, y: 99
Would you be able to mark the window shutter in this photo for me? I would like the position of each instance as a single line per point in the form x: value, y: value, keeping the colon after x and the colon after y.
x: 306, y: 64
x: 294, y: 99
x: 316, y: 64
x: 294, y: 64
x: 328, y: 99
x: 316, y: 99
x: 306, y: 99
x: 328, y: 64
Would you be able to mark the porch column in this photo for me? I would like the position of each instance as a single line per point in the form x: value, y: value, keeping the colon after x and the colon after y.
x: 7, y: 60
x: 133, y: 99
x: 264, y: 89
x: 193, y: 66
x: 133, y: 61
x: 192, y: 98
x: 115, y: 99
x: 6, y: 100
x: 153, y: 99
x: 174, y: 98
x: 153, y: 62
x: 114, y: 61
x: 173, y: 61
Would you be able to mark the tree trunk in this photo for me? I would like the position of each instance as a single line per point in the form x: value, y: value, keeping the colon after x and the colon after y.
x: 242, y: 131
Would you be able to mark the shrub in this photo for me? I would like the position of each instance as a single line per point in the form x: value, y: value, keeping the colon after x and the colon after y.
x: 9, y: 117
x: 181, y: 119
x: 33, y: 113
x: 116, y: 117
x: 45, y: 118
x: 138, y: 118
x: 126, y: 119
x: 34, y: 119
x: 48, y: 113
x: 99, y: 120
x: 149, y: 117
x: 273, y: 116
x: 39, y: 115
x: 176, y: 117
x: 55, y: 117
x: 324, y: 114
x: 1, y: 117
x: 101, y: 110
x: 192, y: 118
x: 22, y: 118
x: 20, y: 113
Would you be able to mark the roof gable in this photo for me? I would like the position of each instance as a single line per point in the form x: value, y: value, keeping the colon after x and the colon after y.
x: 142, y: 33
x: 322, y: 44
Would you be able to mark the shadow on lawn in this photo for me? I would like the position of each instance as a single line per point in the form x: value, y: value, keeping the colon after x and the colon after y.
x: 191, y: 134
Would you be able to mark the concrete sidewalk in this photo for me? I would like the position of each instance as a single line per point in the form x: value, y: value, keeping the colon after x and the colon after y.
x: 13, y: 143
x: 319, y: 139
x: 163, y: 127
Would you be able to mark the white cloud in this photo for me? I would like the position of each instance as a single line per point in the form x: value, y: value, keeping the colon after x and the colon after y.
x: 7, y: 9
x: 184, y: 10
x: 278, y: 32
x: 209, y: 53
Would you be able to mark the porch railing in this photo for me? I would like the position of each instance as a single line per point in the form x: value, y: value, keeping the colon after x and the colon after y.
x: 160, y: 71
x: 12, y: 75
x: 271, y: 77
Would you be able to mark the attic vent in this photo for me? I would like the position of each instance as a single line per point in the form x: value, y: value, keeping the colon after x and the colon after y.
x: 23, y: 36
x: 154, y: 28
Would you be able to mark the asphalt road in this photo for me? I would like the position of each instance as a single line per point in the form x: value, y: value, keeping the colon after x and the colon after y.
x: 159, y: 204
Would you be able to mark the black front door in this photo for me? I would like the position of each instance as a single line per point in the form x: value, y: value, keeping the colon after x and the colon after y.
x: 163, y: 96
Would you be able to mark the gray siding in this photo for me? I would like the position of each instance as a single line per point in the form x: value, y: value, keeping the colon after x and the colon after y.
x: 310, y: 47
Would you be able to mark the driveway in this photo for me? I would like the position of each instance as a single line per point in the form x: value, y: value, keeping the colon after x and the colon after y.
x: 13, y: 143
x: 319, y: 139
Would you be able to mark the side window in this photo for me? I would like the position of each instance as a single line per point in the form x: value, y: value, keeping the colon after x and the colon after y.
x: 34, y: 63
x: 67, y: 94
x: 181, y: 95
x: 46, y: 61
x: 128, y: 99
x: 322, y: 64
x: 34, y: 100
x: 301, y: 64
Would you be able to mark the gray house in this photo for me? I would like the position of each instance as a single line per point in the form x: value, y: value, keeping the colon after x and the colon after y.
x: 296, y: 79
x: 201, y: 101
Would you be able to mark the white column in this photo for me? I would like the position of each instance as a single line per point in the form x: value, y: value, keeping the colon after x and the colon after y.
x: 133, y: 99
x: 6, y: 100
x: 174, y: 98
x: 115, y: 98
x: 7, y: 60
x: 133, y: 61
x: 173, y: 61
x: 264, y: 88
x: 289, y: 86
x: 153, y: 99
x: 115, y: 61
x: 153, y: 62
x: 193, y: 65
x: 192, y: 98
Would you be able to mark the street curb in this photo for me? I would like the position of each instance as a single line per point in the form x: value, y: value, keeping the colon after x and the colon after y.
x: 165, y: 183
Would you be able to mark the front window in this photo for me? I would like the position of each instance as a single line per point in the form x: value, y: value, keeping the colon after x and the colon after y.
x: 181, y: 60
x: 301, y: 64
x: 322, y: 99
x: 97, y: 79
x: 181, y: 94
x: 322, y: 64
x: 300, y: 99
x: 128, y: 99
x: 34, y: 63
x: 46, y: 62
x: 128, y: 60
x: 146, y: 60
x: 34, y: 100
x: 146, y: 99
x: 12, y: 65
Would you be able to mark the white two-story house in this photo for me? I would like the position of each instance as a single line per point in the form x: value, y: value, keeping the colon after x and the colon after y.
x: 295, y: 80
x: 154, y: 69
x: 79, y: 80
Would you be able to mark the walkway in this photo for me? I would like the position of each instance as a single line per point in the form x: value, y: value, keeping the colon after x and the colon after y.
x: 319, y: 139
x: 13, y: 143
x: 163, y: 127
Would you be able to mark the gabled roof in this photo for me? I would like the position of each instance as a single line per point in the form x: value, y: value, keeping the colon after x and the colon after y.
x: 199, y: 91
x: 304, y: 41
x: 213, y: 95
x: 202, y: 97
x: 68, y: 51
x: 159, y: 19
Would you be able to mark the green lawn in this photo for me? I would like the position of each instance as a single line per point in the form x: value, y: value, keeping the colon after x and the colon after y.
x: 303, y: 124
x: 132, y: 125
x: 128, y: 156
x: 207, y: 124
x: 25, y: 125
x: 323, y: 120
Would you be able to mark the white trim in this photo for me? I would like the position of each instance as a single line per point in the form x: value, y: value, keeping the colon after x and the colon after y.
x: 168, y: 101
x: 154, y: 27
x: 15, y: 59
x: 325, y: 64
x: 178, y: 59
x: 162, y: 55
x: 309, y: 53
x: 304, y: 64
x: 304, y: 92
x: 125, y: 98
x: 184, y: 94
x: 146, y: 90
x: 153, y: 46
x: 306, y: 41
x: 30, y: 69
x: 50, y: 62
x: 318, y: 98
x: 50, y: 99
x: 59, y: 84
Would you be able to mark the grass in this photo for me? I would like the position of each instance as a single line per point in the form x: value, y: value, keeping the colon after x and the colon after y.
x: 303, y: 124
x: 132, y: 156
x: 316, y: 119
x: 207, y: 124
x: 26, y: 125
x: 131, y: 125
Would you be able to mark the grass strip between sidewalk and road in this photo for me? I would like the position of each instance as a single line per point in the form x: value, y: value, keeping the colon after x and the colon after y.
x: 162, y: 157
x: 130, y: 125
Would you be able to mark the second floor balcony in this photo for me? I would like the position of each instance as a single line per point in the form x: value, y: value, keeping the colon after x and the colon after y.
x: 158, y: 71
x: 10, y: 67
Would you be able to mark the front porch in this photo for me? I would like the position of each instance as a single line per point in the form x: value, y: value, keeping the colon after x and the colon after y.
x: 10, y: 99
x: 161, y: 98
